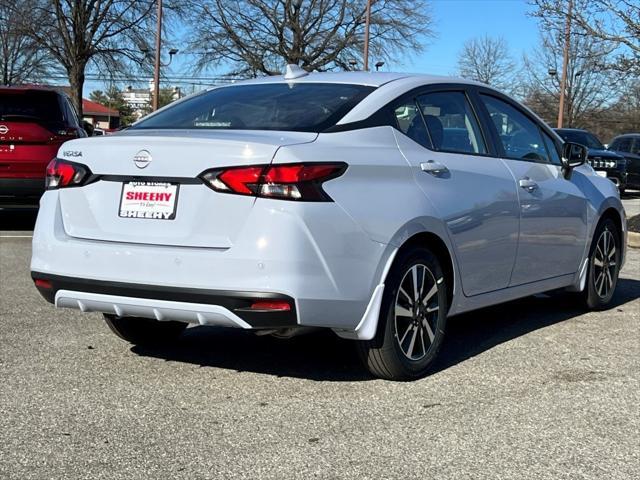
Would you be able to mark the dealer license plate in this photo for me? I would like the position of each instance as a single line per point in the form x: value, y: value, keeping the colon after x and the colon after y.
x: 153, y: 200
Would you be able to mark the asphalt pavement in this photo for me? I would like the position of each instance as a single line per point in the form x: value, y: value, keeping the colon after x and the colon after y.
x: 533, y: 389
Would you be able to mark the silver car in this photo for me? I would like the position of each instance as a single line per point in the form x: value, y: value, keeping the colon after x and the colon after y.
x: 376, y: 205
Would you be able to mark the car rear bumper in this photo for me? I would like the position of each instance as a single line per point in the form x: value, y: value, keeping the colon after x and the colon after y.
x: 21, y: 191
x: 317, y: 258
x: 205, y: 307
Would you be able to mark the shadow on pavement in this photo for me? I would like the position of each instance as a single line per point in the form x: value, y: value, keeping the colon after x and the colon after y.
x: 325, y: 357
x: 18, y: 219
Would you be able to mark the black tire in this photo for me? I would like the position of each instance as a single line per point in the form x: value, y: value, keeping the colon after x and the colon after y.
x: 144, y: 331
x: 601, y: 286
x: 388, y: 355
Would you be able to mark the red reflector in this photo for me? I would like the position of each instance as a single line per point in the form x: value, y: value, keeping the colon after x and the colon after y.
x: 40, y: 283
x: 278, y: 306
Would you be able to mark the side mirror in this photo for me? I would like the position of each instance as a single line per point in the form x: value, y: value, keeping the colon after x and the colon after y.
x: 87, y: 127
x: 574, y: 155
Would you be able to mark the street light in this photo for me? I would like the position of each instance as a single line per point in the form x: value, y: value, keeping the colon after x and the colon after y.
x: 378, y: 65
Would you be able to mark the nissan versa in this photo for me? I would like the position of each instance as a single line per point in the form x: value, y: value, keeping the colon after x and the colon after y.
x: 372, y: 204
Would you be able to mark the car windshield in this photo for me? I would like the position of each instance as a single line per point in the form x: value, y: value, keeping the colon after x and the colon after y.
x: 302, y: 107
x: 583, y: 138
x: 30, y: 106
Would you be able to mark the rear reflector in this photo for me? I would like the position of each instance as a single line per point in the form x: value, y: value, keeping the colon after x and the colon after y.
x: 274, y: 306
x: 40, y: 283
x: 299, y: 181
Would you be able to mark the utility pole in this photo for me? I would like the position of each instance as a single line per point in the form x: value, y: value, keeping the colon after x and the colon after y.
x: 565, y: 63
x: 367, y: 22
x: 156, y: 70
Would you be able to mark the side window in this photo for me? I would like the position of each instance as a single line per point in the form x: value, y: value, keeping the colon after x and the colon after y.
x: 552, y: 149
x: 520, y: 136
x: 451, y: 123
x: 411, y: 124
x: 636, y: 146
x: 622, y: 145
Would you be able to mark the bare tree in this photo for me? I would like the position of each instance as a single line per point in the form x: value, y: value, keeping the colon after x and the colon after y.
x: 20, y: 58
x: 487, y: 60
x: 255, y: 37
x: 590, y: 87
x: 100, y: 33
x: 615, y: 21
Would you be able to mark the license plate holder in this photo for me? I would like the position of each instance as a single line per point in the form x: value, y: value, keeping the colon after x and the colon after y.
x: 149, y: 200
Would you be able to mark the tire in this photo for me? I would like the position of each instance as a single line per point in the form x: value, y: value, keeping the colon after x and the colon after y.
x: 406, y: 344
x: 604, y: 265
x: 144, y: 331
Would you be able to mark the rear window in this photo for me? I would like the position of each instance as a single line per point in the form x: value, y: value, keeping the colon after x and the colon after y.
x: 302, y: 107
x: 30, y: 106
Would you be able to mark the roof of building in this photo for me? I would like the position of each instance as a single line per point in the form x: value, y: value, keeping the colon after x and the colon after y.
x: 93, y: 108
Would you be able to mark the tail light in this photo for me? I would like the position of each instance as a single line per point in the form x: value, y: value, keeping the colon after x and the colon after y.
x: 299, y: 181
x: 61, y: 174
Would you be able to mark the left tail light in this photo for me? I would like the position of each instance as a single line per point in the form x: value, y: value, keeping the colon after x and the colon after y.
x: 62, y: 174
x: 299, y: 181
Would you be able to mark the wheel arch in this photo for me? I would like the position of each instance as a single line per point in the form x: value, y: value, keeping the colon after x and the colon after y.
x: 441, y: 250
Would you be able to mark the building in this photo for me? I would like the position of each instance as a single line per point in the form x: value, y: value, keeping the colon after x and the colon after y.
x: 100, y: 116
x: 139, y: 99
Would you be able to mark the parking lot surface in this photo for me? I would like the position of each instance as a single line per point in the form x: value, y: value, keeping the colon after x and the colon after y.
x: 535, y: 388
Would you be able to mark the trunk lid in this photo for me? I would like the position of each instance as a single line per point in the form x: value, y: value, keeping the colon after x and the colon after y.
x: 203, y: 217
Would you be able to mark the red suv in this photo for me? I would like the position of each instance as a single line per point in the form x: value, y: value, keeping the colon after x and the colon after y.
x: 34, y: 122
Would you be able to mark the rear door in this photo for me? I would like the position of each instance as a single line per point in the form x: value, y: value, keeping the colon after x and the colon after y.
x: 553, y: 210
x: 472, y: 191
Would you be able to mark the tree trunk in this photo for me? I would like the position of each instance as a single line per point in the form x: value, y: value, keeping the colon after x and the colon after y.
x: 76, y: 82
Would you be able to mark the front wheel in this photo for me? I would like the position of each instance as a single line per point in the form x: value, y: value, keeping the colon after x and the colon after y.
x: 604, y: 265
x: 412, y: 319
x: 144, y: 331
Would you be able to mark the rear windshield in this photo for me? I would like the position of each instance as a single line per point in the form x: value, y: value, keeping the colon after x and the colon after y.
x: 301, y: 107
x: 30, y: 106
x: 583, y: 138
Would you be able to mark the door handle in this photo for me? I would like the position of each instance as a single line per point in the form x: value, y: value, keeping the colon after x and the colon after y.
x: 528, y: 184
x: 434, y: 168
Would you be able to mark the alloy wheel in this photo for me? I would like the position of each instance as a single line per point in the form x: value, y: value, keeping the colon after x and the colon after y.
x: 605, y: 263
x: 416, y: 312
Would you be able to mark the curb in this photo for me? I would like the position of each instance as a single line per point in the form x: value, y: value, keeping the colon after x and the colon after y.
x: 633, y: 239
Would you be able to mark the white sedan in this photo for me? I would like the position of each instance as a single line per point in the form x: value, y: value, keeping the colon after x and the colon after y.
x: 372, y: 204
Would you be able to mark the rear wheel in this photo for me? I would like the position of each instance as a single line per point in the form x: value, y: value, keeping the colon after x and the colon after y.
x: 144, y: 331
x: 604, y: 265
x: 412, y: 319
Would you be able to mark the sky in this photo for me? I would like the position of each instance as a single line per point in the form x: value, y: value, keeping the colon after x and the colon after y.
x: 455, y: 21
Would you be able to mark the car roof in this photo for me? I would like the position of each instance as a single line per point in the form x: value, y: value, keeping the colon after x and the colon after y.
x: 373, y: 79
x: 27, y: 88
x: 627, y: 135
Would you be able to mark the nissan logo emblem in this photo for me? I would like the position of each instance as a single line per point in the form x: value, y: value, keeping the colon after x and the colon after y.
x: 142, y: 159
x: 4, y: 129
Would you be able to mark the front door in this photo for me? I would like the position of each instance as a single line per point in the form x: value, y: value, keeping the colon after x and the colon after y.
x: 553, y: 210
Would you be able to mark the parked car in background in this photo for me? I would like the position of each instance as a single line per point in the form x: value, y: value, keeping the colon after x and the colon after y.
x: 34, y: 123
x: 628, y: 145
x: 376, y: 205
x: 604, y: 162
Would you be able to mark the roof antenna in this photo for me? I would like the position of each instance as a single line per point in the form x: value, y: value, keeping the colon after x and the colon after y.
x: 294, y: 71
